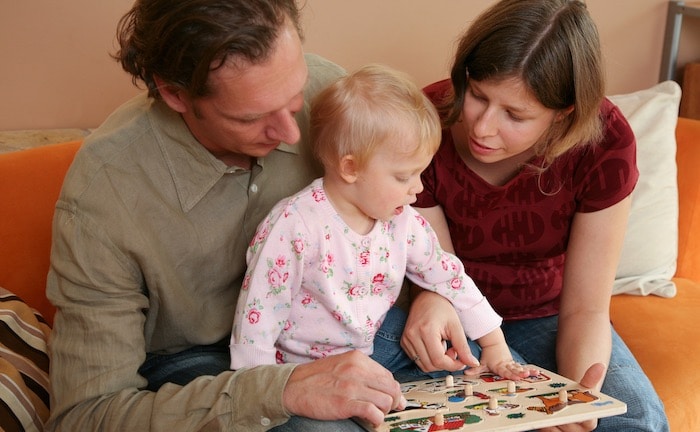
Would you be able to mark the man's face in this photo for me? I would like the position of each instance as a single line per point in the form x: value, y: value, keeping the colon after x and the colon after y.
x: 252, y: 106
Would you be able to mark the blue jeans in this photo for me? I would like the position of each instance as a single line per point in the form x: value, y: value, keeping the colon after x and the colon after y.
x: 181, y: 368
x: 534, y: 341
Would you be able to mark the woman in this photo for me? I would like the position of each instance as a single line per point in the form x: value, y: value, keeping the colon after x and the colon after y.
x: 531, y: 189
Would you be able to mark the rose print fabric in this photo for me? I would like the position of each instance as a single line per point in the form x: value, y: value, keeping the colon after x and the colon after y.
x: 316, y: 288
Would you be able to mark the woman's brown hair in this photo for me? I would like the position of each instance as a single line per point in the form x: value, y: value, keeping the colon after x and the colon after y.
x: 553, y: 46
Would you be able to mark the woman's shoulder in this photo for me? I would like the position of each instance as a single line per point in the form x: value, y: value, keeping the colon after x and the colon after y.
x: 438, y: 90
x: 614, y: 122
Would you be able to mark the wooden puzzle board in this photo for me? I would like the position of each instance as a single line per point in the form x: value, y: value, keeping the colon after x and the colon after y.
x: 496, y: 404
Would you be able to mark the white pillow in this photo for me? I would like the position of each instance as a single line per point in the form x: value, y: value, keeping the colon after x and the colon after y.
x: 650, y: 247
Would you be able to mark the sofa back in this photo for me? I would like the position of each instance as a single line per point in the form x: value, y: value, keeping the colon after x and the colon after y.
x: 30, y: 181
x: 688, y: 160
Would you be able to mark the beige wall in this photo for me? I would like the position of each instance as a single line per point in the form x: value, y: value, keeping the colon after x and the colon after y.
x: 55, y: 69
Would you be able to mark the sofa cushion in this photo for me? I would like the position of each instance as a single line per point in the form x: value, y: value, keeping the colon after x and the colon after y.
x: 30, y: 181
x: 24, y: 366
x: 661, y: 334
x: 650, y: 249
x: 688, y: 158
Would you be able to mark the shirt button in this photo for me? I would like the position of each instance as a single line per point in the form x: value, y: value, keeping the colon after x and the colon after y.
x: 253, y: 188
x: 265, y: 421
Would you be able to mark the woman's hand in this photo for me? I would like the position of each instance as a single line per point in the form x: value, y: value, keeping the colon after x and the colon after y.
x: 431, y: 321
x: 591, y: 379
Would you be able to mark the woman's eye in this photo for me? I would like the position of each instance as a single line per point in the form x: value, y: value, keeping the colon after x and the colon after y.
x: 515, y: 117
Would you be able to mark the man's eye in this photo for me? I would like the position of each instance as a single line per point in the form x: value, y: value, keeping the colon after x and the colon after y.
x: 247, y: 121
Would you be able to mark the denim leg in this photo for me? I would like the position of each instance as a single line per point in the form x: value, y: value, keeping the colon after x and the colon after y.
x: 535, y: 342
x: 299, y: 424
x: 626, y: 381
x: 181, y: 368
x: 387, y: 342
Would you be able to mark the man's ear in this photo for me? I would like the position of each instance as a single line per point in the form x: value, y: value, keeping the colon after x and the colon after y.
x: 173, y: 96
x: 348, y: 169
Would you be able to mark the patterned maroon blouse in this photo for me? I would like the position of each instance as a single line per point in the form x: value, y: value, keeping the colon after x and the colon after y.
x: 513, y: 238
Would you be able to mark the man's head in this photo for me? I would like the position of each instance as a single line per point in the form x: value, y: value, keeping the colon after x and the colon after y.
x: 180, y: 42
x: 233, y: 69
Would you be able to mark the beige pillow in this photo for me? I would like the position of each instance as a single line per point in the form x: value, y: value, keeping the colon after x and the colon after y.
x: 650, y: 247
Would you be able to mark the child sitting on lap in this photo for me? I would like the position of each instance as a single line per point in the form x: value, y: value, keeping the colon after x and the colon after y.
x: 327, y: 263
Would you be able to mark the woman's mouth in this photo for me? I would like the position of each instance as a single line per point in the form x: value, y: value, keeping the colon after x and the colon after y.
x: 479, y: 149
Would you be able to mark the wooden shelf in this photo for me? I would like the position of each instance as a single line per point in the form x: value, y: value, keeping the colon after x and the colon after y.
x: 674, y: 20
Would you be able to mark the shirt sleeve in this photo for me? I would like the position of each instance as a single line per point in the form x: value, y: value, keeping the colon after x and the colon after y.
x: 98, y: 345
x: 607, y: 172
x: 275, y: 261
x: 433, y: 269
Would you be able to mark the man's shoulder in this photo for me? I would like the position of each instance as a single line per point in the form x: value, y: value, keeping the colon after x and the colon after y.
x: 321, y: 72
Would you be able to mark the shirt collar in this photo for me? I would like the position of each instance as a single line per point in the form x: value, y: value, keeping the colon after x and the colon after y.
x: 193, y: 168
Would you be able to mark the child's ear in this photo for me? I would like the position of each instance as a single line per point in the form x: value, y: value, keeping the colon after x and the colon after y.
x: 348, y: 169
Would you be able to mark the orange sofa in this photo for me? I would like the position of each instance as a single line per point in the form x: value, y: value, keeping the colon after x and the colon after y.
x: 663, y: 333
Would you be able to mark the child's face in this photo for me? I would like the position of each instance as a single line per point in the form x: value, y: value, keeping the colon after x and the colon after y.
x: 391, y: 179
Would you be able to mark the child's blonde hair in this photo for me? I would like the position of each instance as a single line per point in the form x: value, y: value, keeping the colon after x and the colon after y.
x: 364, y: 109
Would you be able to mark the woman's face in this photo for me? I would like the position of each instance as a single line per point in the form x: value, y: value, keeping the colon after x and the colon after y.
x: 501, y: 119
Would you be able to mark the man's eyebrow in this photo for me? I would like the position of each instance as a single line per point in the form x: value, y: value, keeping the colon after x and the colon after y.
x: 256, y: 116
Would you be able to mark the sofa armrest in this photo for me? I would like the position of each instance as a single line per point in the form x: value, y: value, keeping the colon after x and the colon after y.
x: 688, y: 160
x: 30, y: 181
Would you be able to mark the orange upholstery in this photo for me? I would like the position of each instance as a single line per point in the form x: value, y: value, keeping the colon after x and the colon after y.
x: 688, y: 159
x: 30, y: 181
x: 664, y: 333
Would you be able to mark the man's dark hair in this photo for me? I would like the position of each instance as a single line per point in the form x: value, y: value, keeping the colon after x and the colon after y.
x: 181, y: 41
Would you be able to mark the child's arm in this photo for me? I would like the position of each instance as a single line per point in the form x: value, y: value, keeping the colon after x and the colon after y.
x: 431, y: 268
x: 496, y: 357
x: 444, y: 273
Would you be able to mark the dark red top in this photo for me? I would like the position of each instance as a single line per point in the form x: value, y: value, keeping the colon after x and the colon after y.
x: 513, y: 238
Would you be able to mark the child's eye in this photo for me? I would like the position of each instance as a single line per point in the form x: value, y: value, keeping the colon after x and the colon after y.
x: 402, y: 179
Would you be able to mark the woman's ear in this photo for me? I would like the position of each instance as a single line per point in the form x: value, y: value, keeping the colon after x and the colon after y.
x: 172, y: 95
x: 348, y: 169
x: 562, y: 114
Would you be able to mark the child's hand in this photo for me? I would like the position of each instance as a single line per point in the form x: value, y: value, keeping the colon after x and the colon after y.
x: 497, y: 359
x: 512, y: 370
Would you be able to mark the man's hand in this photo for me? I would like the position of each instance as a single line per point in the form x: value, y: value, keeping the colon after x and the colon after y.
x: 343, y: 386
x: 431, y: 321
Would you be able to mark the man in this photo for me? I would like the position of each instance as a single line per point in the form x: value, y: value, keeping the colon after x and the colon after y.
x: 152, y: 224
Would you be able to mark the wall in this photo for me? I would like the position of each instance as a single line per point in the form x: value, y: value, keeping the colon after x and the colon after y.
x: 56, y: 71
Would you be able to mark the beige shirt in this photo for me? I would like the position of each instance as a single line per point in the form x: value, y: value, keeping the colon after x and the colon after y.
x: 149, y: 242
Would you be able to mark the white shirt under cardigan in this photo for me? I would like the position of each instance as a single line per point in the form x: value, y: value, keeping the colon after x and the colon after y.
x: 316, y: 288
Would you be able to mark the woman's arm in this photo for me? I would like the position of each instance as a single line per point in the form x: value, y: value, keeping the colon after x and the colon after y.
x: 584, y: 338
x: 592, y: 256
